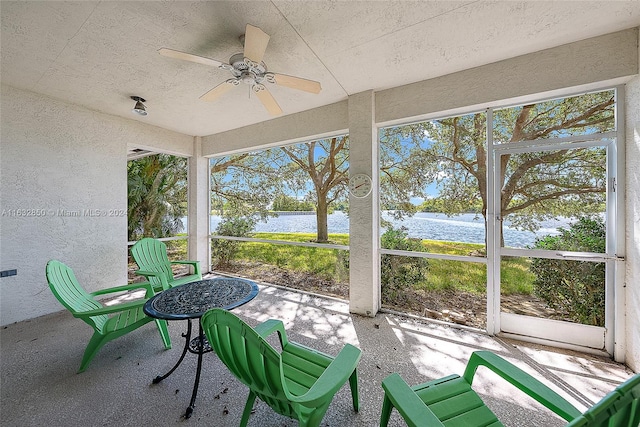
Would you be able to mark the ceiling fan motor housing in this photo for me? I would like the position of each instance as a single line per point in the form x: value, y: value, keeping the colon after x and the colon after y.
x: 241, y: 64
x: 247, y: 71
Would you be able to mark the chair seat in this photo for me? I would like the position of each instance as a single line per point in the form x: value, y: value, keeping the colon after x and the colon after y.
x: 455, y: 403
x: 126, y: 319
x: 302, y: 367
x: 183, y: 280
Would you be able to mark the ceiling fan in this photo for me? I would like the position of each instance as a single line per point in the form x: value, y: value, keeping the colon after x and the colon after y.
x: 247, y: 67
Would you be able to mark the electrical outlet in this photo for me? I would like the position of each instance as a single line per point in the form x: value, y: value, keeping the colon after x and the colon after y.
x: 7, y: 273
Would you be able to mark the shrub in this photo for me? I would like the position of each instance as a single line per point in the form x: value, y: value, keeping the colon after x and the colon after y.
x: 224, y: 251
x: 573, y: 287
x: 399, y: 272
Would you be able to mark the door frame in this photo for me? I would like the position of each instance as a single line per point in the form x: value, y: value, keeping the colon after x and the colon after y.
x: 609, y: 338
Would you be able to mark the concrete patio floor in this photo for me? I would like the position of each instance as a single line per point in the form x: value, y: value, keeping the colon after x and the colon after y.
x: 39, y: 359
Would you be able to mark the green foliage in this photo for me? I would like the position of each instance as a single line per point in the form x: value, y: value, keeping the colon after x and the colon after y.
x: 403, y: 170
x: 245, y: 184
x: 400, y: 272
x: 574, y: 287
x: 284, y: 203
x: 177, y: 249
x: 439, y: 205
x: 157, y: 196
x: 516, y: 276
x: 223, y: 251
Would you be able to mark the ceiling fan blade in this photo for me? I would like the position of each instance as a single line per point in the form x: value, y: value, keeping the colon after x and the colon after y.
x: 170, y: 53
x: 297, y: 83
x: 267, y: 100
x: 255, y: 43
x: 218, y: 91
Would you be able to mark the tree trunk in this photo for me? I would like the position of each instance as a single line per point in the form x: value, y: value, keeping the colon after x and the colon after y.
x: 321, y: 219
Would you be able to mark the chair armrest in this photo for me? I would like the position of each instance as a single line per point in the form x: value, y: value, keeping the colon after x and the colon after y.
x: 111, y: 309
x: 141, y: 285
x: 523, y: 381
x: 406, y: 401
x: 336, y: 374
x: 195, y: 264
x: 149, y: 273
x: 270, y: 326
x: 157, y: 274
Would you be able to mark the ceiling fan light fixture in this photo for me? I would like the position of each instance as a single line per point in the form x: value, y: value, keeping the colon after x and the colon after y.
x: 139, y: 108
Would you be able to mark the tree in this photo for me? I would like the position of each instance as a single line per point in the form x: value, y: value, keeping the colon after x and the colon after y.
x: 157, y: 196
x: 256, y: 182
x: 285, y: 203
x: 403, y: 173
x: 452, y: 152
x: 244, y: 184
x: 325, y: 162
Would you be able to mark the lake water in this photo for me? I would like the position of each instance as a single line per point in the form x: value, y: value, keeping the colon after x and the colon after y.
x: 434, y: 226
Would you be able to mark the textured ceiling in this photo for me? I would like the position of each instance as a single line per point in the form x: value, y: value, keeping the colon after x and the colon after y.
x: 98, y: 54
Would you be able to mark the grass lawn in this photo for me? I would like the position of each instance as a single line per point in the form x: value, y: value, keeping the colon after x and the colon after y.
x: 442, y: 275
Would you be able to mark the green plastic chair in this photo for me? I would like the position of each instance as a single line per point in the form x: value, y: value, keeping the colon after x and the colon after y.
x: 108, y: 322
x: 298, y: 382
x: 620, y: 408
x: 452, y: 402
x: 153, y: 263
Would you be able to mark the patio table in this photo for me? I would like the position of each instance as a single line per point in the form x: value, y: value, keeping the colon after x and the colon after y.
x: 191, y: 301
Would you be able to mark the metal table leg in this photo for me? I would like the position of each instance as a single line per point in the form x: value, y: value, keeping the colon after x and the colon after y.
x: 199, y: 346
x: 194, y: 394
x: 187, y: 337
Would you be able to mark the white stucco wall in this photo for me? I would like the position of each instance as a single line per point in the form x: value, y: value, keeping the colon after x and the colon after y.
x: 55, y: 158
x: 632, y: 276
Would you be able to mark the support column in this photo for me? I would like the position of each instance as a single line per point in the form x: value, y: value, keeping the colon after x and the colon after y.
x: 364, y: 264
x: 198, y: 207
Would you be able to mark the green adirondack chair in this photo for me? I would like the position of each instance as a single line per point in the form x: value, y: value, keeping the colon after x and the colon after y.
x: 298, y: 382
x: 452, y: 402
x: 153, y: 263
x: 620, y: 408
x: 108, y: 322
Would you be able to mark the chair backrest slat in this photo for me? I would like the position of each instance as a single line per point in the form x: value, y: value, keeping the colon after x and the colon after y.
x: 252, y: 359
x: 65, y: 287
x: 151, y: 255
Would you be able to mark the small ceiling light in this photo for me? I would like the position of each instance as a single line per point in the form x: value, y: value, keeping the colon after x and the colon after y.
x: 140, y: 107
